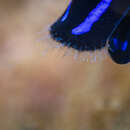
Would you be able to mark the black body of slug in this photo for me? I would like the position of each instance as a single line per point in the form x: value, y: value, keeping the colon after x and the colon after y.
x: 76, y: 14
x: 119, y: 42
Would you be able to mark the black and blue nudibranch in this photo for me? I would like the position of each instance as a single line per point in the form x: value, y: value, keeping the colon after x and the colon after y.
x: 86, y: 25
x: 119, y: 40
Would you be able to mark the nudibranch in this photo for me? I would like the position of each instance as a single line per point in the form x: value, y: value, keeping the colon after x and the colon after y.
x: 119, y: 40
x: 85, y: 25
x: 91, y: 25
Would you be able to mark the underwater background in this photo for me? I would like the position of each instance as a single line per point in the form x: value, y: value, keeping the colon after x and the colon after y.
x: 52, y: 92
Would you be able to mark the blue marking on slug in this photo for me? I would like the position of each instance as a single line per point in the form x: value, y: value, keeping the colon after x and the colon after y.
x: 125, y: 44
x: 92, y: 17
x: 115, y: 42
x: 122, y: 47
x: 66, y: 13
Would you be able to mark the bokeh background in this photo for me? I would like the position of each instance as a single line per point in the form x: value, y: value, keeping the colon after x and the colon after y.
x: 52, y: 92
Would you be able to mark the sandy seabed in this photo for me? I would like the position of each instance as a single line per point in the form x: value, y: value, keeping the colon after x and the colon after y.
x: 52, y: 92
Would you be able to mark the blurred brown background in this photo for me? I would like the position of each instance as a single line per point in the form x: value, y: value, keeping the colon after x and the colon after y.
x: 47, y: 92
